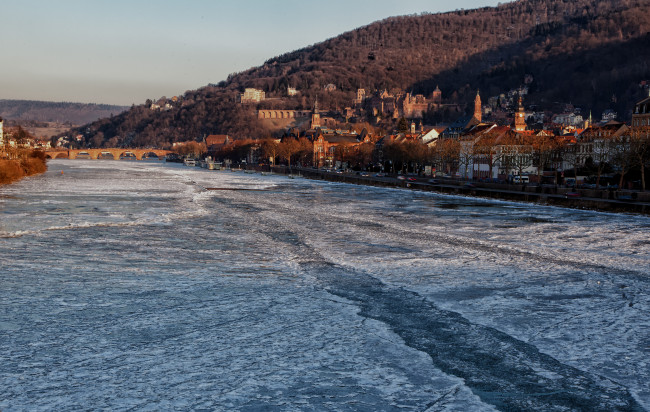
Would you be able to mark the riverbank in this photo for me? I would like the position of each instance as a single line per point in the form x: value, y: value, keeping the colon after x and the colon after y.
x: 602, y: 200
x: 27, y: 164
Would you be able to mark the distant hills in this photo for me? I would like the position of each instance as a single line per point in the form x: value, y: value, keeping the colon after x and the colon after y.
x: 591, y: 53
x: 56, y: 112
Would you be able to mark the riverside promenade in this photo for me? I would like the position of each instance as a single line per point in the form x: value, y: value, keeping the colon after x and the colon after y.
x: 593, y: 199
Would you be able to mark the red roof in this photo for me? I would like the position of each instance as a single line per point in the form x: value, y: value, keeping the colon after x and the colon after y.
x: 216, y: 140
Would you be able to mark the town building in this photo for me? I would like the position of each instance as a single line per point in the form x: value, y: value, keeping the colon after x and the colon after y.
x: 609, y: 115
x: 401, y: 104
x: 251, y: 95
x: 2, y: 141
x: 331, y: 146
x: 478, y: 109
x: 595, y: 142
x: 431, y: 134
x: 568, y: 119
x: 641, y: 114
x: 436, y: 96
x: 414, y: 107
x: 215, y: 142
x: 361, y: 96
x: 520, y: 116
x: 466, y: 123
x: 315, y: 118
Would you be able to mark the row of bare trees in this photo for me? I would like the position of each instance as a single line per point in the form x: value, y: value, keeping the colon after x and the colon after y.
x: 501, y: 152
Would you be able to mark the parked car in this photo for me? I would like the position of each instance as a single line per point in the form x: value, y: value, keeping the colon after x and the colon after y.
x: 380, y: 174
x: 434, y: 181
x: 412, y: 179
x: 400, y: 177
x: 568, y: 195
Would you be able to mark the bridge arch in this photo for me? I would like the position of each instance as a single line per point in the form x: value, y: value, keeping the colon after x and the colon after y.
x: 127, y: 154
x: 106, y: 155
x: 116, y: 153
x: 150, y: 154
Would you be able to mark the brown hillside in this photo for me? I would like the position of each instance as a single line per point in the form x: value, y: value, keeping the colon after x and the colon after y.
x: 592, y: 53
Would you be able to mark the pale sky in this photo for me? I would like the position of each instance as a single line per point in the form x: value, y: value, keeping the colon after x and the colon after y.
x: 126, y: 51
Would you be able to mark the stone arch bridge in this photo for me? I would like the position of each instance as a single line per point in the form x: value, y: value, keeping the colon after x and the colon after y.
x: 139, y: 154
x: 282, y: 114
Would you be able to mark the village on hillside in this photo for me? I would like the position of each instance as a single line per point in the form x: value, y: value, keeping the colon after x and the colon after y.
x: 500, y: 141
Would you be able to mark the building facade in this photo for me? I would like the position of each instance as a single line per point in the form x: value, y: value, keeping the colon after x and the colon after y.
x: 478, y: 109
x: 251, y: 95
x: 641, y: 114
x: 413, y: 107
x: 520, y: 117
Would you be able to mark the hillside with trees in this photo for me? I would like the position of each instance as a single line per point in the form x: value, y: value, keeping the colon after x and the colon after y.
x: 591, y: 53
x: 25, y: 111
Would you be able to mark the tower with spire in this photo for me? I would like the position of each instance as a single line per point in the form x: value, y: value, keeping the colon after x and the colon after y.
x: 520, y: 116
x: 315, y: 117
x: 478, y: 110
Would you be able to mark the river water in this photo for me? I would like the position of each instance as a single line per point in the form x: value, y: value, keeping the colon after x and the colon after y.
x: 130, y: 285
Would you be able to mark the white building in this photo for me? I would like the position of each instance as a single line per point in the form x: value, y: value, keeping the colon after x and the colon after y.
x: 568, y: 119
x: 429, y: 137
x: 609, y: 115
x: 251, y: 95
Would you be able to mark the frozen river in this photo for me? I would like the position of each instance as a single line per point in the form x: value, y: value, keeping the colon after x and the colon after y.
x: 129, y: 286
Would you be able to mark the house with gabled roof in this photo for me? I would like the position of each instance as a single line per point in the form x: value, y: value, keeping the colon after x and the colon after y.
x: 326, y: 144
x: 214, y: 142
x: 594, y: 141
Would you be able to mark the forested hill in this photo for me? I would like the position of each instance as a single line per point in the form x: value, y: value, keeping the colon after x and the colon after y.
x: 61, y: 112
x: 592, y: 53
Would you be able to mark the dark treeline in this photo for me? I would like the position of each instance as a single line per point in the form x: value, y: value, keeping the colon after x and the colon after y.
x: 591, y: 53
x: 62, y: 112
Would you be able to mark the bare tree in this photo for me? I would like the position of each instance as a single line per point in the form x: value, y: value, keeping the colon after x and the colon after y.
x: 621, y: 156
x: 446, y: 153
x: 640, y: 150
x: 288, y: 148
x: 269, y: 150
x: 545, y: 149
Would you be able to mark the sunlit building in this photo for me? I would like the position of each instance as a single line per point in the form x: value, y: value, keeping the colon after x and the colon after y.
x: 251, y: 95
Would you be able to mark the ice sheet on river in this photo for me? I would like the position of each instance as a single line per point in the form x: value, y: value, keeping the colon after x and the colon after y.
x: 129, y: 285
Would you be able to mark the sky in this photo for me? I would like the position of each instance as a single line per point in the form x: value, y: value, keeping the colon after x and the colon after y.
x: 126, y: 51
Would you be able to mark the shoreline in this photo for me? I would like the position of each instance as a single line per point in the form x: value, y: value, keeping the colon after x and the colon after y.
x: 587, y: 199
x: 14, y: 170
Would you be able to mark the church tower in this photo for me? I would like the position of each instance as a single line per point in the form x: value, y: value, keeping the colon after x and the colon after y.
x: 436, y: 97
x: 315, y: 117
x: 478, y: 111
x: 520, y: 117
